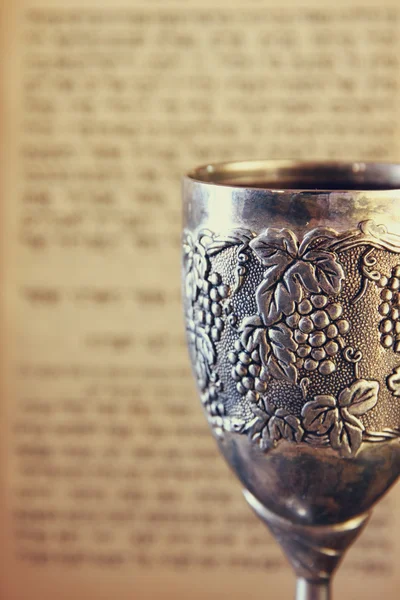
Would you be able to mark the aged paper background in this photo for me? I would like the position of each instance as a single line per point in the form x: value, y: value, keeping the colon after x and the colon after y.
x: 111, y: 485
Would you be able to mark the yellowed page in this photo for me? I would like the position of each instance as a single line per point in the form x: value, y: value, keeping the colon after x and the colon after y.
x: 111, y: 485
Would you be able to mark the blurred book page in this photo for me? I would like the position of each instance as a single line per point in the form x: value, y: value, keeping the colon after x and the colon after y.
x: 112, y: 486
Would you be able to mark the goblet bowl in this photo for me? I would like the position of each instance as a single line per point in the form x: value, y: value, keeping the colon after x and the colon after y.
x: 291, y: 279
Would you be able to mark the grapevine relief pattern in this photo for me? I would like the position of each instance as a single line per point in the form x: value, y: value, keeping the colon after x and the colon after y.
x: 296, y: 335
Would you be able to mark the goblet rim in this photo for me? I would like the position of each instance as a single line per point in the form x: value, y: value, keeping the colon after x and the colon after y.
x: 360, y: 176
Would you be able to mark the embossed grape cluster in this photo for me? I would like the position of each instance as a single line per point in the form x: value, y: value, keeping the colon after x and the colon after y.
x: 250, y: 376
x: 317, y: 328
x: 389, y: 309
x: 210, y: 397
x: 209, y: 310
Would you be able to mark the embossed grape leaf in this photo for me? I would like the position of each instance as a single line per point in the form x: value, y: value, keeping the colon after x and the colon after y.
x: 265, y: 441
x: 324, y: 415
x: 200, y: 266
x: 275, y: 298
x: 290, y: 270
x: 284, y: 426
x: 275, y: 429
x: 191, y: 288
x: 236, y: 237
x: 255, y: 427
x: 281, y: 361
x: 346, y: 436
x: 271, y: 425
x: 188, y: 245
x: 275, y: 247
x: 304, y: 272
x: 254, y: 335
x: 328, y: 272
x: 267, y: 407
x: 319, y: 237
x: 197, y: 266
x: 201, y: 370
x: 320, y: 415
x: 261, y: 413
x: 360, y: 397
x: 393, y: 382
x: 282, y: 342
x: 281, y: 371
x: 347, y: 417
x: 205, y: 346
x: 293, y: 430
x: 202, y: 352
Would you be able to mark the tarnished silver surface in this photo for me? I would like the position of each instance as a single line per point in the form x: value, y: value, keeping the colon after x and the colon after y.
x: 291, y: 275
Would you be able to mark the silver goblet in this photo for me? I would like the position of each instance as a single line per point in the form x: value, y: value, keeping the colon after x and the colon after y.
x: 291, y: 277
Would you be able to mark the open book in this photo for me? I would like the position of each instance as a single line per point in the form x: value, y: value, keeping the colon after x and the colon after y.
x: 111, y: 484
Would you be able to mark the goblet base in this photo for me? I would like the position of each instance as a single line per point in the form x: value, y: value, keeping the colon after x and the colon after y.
x: 313, y: 551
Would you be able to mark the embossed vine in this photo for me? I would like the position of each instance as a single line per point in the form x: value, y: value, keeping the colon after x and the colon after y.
x: 298, y: 332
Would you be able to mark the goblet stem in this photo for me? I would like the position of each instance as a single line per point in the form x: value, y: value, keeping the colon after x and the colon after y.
x: 313, y: 551
x: 312, y: 590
